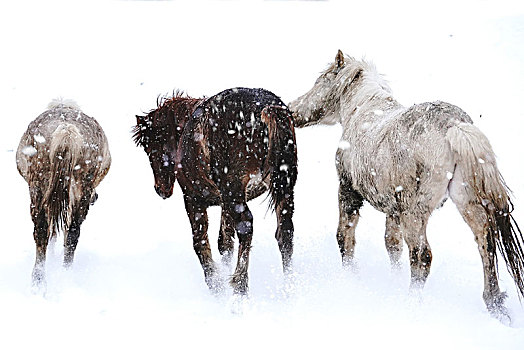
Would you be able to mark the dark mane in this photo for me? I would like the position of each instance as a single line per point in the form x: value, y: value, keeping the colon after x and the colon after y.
x: 178, y: 107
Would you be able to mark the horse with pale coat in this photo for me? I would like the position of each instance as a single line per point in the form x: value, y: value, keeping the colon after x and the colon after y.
x: 406, y: 162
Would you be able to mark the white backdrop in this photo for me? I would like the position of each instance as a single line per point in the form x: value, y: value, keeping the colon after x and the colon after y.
x: 136, y: 281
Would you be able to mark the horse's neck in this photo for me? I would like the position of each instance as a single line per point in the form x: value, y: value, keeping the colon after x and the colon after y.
x: 369, y: 106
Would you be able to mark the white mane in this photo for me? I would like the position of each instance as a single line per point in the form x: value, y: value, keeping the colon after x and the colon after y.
x: 371, y: 83
x: 64, y: 103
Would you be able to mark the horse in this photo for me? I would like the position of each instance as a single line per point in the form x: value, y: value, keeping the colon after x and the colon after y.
x: 225, y: 150
x: 63, y: 156
x: 406, y: 162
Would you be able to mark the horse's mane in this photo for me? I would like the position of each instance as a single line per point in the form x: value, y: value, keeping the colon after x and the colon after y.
x: 371, y: 83
x: 63, y: 103
x: 179, y: 106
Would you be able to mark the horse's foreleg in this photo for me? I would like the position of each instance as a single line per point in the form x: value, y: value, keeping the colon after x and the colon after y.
x: 226, y: 238
x: 349, y: 203
x: 284, y: 233
x: 393, y: 239
x: 197, y: 213
x: 413, y: 229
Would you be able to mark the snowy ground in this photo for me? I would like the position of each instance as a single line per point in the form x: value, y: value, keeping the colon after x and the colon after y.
x: 136, y: 281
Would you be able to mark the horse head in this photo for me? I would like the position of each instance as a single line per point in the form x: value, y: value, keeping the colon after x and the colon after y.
x: 159, y: 133
x: 321, y: 104
x: 156, y: 133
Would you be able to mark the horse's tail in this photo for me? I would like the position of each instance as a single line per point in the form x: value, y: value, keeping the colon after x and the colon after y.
x: 281, y: 161
x: 65, y: 149
x: 484, y: 184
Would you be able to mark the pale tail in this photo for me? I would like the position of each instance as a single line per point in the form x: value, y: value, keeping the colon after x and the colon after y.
x: 64, y: 151
x: 483, y: 182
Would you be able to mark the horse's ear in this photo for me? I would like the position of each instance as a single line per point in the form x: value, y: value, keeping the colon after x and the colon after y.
x: 339, y: 59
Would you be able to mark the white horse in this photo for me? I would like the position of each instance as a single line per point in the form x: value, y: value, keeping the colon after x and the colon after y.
x: 406, y: 162
x: 63, y: 156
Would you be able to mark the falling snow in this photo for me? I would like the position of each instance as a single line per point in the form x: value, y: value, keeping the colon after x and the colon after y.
x: 136, y: 281
x: 29, y: 151
x: 39, y: 138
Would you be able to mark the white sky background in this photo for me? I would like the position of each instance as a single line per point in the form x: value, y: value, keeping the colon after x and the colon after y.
x: 136, y: 281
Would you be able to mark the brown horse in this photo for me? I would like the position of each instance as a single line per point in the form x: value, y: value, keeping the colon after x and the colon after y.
x: 63, y: 156
x: 225, y: 150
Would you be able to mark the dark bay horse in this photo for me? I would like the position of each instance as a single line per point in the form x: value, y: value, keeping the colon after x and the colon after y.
x: 63, y: 156
x: 225, y: 150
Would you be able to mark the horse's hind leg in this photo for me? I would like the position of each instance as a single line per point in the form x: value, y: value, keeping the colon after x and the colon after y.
x: 226, y: 238
x: 393, y: 239
x: 284, y: 234
x: 235, y: 207
x: 197, y: 213
x: 349, y: 203
x: 40, y: 234
x: 475, y: 216
x: 72, y: 235
x: 413, y: 229
x: 70, y: 242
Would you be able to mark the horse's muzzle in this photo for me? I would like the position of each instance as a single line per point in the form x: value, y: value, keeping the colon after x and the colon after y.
x: 162, y: 192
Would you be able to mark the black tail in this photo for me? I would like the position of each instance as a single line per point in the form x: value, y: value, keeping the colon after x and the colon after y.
x: 503, y: 230
x: 281, y: 163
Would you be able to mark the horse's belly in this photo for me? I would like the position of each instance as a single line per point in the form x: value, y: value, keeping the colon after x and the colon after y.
x: 256, y: 185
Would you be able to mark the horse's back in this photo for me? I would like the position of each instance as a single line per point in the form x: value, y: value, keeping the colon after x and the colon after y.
x: 406, y: 161
x: 245, y: 96
x: 228, y: 140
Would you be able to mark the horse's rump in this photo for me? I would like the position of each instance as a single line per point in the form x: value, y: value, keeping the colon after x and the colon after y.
x: 228, y: 138
x: 63, y: 156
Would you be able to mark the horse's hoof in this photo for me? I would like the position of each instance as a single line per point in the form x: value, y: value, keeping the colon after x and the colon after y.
x: 239, y: 284
x: 502, y: 315
x: 349, y: 264
x: 215, y: 283
x: 497, y: 309
x: 38, y: 283
x: 227, y: 258
x: 287, y: 268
